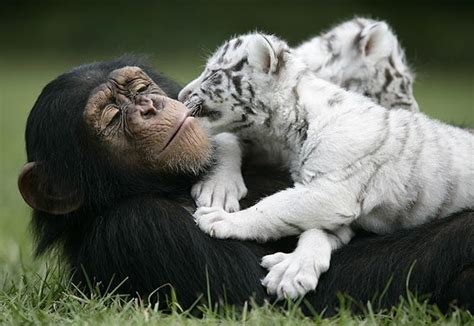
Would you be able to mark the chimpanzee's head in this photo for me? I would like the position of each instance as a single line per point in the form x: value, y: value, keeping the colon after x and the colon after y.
x: 107, y: 130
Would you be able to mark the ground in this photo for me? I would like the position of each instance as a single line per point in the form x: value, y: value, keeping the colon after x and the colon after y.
x: 34, y: 292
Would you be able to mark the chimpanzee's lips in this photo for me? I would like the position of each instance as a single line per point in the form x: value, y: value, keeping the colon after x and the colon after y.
x: 181, y: 125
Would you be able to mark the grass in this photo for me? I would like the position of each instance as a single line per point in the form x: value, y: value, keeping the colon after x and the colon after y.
x: 49, y: 299
x: 32, y: 292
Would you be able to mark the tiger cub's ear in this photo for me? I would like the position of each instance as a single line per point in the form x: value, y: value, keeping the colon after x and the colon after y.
x: 376, y: 41
x: 261, y: 53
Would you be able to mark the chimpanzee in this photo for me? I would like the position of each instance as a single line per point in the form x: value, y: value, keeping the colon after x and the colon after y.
x: 111, y: 157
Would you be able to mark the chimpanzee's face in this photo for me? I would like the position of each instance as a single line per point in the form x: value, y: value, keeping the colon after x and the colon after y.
x: 136, y: 123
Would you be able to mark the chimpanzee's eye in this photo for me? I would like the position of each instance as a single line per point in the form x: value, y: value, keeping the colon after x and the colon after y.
x: 141, y: 88
x: 115, y: 118
x: 109, y: 115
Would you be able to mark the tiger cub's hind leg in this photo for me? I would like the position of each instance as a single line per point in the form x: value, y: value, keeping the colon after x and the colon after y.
x: 294, y: 274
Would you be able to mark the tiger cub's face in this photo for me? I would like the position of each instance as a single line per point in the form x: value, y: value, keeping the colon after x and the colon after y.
x: 225, y: 94
x: 360, y: 55
x: 364, y: 56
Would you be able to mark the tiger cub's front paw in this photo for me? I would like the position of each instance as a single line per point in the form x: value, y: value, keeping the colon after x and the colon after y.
x: 215, y: 222
x: 222, y: 190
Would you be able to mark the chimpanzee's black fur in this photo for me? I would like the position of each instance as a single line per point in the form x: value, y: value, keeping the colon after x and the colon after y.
x: 132, y: 227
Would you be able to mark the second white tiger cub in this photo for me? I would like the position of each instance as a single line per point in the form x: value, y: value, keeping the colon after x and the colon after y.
x: 352, y: 160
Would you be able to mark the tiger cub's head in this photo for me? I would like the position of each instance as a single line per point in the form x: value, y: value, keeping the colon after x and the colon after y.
x: 364, y: 56
x: 227, y: 93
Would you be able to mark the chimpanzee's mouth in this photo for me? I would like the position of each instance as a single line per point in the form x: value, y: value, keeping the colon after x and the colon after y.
x: 181, y: 125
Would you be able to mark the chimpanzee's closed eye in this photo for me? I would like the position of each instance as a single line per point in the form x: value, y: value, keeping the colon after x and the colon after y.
x: 109, y: 115
x: 142, y: 88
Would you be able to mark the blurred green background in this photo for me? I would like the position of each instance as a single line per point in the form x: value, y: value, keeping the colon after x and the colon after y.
x: 41, y: 39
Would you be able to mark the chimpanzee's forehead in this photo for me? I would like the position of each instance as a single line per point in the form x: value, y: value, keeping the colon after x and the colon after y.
x: 131, y: 76
x: 120, y: 89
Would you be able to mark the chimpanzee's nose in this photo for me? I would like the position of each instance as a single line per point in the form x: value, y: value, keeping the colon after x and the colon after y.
x: 148, y: 112
x: 146, y: 107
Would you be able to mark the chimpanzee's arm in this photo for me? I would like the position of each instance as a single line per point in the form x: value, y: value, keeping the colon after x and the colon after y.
x: 154, y: 243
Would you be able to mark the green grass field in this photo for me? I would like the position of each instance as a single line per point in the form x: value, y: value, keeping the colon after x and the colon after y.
x: 27, y: 295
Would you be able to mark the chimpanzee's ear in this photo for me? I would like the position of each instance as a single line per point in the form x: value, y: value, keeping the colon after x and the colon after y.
x: 41, y: 194
x: 261, y: 53
x: 376, y: 41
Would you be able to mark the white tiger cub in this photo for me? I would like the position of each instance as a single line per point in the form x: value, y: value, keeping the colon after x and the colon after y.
x: 361, y: 55
x: 364, y: 56
x: 352, y: 160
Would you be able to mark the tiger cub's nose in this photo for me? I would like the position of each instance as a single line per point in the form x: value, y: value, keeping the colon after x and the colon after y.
x: 183, y: 95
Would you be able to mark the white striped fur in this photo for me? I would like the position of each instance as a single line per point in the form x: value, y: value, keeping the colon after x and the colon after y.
x: 339, y: 55
x: 352, y: 161
x: 364, y: 56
